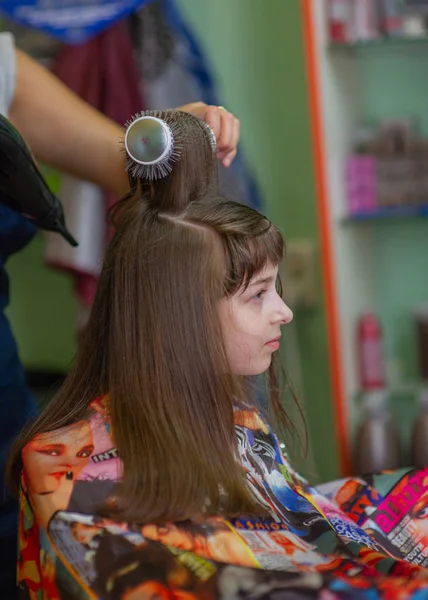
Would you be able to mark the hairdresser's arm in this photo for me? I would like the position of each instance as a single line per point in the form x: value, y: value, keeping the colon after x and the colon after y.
x: 65, y: 132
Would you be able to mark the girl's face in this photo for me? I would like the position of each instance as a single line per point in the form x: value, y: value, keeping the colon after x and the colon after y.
x: 50, y: 457
x: 251, y: 321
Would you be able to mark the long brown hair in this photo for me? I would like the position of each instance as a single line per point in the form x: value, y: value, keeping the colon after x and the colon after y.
x: 154, y: 344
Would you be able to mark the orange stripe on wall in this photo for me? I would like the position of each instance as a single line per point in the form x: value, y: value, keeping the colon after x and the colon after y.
x: 327, y: 262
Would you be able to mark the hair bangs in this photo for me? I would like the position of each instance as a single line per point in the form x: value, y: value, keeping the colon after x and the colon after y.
x: 247, y: 255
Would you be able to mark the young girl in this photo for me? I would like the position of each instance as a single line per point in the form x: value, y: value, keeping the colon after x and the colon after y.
x: 193, y: 497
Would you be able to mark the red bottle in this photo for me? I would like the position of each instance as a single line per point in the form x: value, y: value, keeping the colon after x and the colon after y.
x: 370, y: 353
x: 339, y: 20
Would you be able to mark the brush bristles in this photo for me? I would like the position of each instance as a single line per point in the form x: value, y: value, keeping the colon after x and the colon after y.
x: 164, y: 166
x: 179, y: 138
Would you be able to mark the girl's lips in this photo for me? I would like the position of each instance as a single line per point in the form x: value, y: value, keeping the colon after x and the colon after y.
x: 274, y: 344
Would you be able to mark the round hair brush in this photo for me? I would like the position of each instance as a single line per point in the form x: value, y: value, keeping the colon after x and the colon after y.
x: 155, y: 140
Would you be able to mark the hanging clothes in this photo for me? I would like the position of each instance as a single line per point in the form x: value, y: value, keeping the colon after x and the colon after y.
x: 103, y: 72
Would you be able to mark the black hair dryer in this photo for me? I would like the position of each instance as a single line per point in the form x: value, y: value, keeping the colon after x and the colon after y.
x: 22, y: 186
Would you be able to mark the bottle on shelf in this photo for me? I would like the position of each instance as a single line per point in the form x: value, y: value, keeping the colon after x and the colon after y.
x: 370, y: 353
x: 377, y: 445
x: 420, y: 315
x: 414, y: 25
x: 365, y: 20
x: 340, y: 21
x: 391, y: 17
x: 419, y: 443
x: 419, y: 439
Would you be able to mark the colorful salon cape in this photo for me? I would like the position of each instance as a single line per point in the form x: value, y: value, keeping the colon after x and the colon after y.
x: 359, y: 538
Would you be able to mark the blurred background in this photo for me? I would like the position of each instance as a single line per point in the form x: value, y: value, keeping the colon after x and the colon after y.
x: 332, y: 99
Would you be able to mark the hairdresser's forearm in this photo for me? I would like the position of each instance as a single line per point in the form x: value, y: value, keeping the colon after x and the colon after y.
x: 63, y: 131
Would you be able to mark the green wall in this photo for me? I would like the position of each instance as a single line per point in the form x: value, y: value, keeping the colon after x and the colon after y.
x: 44, y: 308
x: 255, y: 49
x: 42, y: 311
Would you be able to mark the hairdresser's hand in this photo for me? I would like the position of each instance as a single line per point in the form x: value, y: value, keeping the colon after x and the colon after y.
x: 225, y: 127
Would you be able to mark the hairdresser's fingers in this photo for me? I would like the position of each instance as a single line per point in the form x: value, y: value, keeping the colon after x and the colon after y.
x: 228, y: 139
x: 209, y: 114
x: 226, y: 129
x: 228, y: 160
x: 227, y: 157
x: 224, y: 125
x: 212, y: 116
x: 196, y: 108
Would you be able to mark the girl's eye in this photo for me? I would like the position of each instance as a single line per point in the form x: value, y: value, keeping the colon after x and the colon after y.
x: 259, y: 295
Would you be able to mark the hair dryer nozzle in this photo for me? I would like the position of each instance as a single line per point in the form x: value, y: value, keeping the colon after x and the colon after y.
x: 67, y: 236
x: 54, y: 221
x: 22, y: 186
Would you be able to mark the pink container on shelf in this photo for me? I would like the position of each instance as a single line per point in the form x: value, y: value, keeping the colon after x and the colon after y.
x: 361, y: 184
